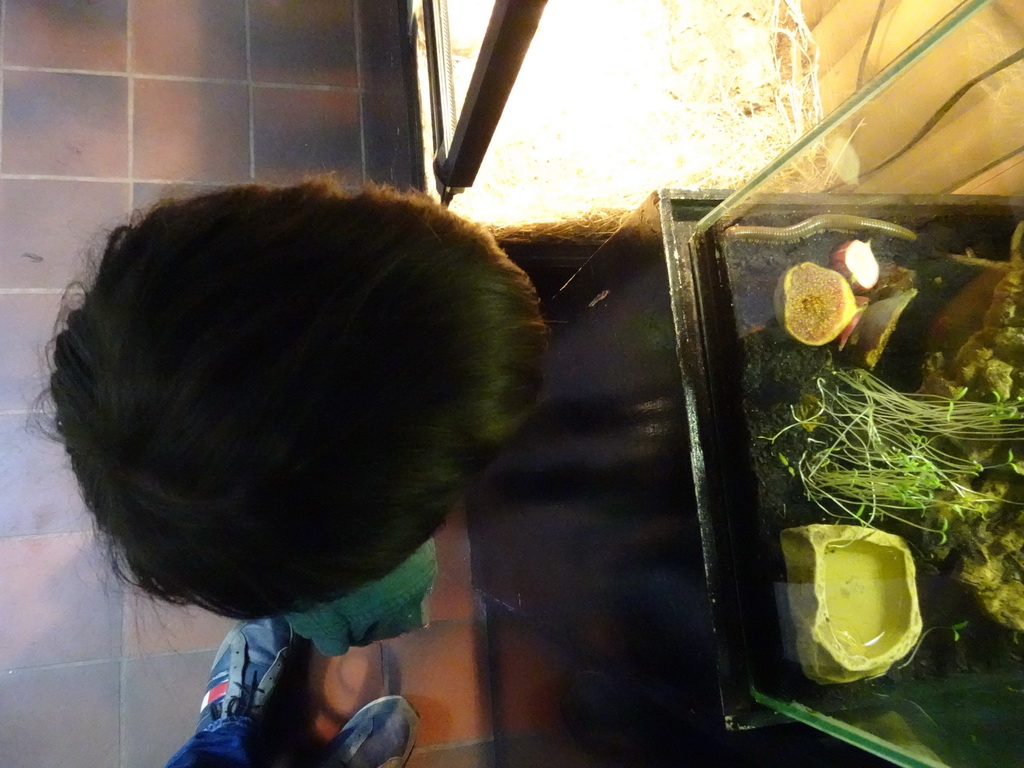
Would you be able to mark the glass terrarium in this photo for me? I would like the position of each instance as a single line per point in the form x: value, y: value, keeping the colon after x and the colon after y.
x: 852, y: 338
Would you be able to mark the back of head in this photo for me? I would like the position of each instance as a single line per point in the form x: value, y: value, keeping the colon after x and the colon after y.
x: 271, y: 396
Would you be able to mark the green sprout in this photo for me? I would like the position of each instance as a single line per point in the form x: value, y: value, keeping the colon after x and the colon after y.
x: 958, y: 396
x: 956, y: 629
x: 785, y: 462
x: 878, y: 454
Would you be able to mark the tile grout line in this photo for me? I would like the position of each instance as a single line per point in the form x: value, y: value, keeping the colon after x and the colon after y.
x: 181, y: 78
x: 482, y: 660
x: 292, y: 86
x: 55, y: 177
x: 31, y: 291
x: 3, y: 25
x: 358, y: 32
x: 40, y: 536
x: 103, y: 179
x: 66, y: 71
x: 445, y: 745
x: 128, y: 180
x: 248, y: 79
x: 385, y: 672
x: 60, y: 665
x: 122, y: 682
x: 122, y: 713
x: 306, y: 86
x: 123, y: 659
x: 129, y: 65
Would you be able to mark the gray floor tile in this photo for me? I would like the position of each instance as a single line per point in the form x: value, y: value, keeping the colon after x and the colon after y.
x: 161, y: 705
x: 58, y: 602
x: 452, y: 596
x: 529, y: 675
x: 439, y: 669
x: 46, y: 228
x: 66, y: 35
x: 308, y: 43
x: 145, y: 195
x: 479, y: 755
x: 26, y: 326
x: 529, y: 750
x: 194, y: 38
x: 60, y: 716
x: 65, y: 124
x: 39, y: 492
x: 191, y: 131
x: 391, y: 126
x: 326, y: 138
x: 339, y: 686
x: 152, y: 627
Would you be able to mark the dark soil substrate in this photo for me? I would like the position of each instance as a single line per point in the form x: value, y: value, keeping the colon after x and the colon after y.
x: 777, y: 371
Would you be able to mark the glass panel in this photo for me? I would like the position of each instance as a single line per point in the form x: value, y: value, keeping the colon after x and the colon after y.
x: 467, y: 22
x: 942, y: 118
x: 875, y: 284
x: 448, y: 34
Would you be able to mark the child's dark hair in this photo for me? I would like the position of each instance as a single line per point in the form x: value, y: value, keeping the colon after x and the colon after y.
x: 271, y: 396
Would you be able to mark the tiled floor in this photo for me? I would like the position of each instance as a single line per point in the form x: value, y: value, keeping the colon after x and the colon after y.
x: 106, y: 106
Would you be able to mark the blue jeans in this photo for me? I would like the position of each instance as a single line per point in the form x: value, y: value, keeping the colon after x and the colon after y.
x: 230, y: 742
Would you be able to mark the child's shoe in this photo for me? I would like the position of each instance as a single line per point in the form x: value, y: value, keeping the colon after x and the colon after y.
x: 245, y: 670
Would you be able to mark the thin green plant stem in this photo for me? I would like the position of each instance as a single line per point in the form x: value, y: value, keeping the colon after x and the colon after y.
x: 878, y: 453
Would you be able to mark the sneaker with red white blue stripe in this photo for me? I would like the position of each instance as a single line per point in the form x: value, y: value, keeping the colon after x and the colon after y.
x: 245, y: 670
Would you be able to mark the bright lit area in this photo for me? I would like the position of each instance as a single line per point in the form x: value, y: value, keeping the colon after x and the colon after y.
x: 617, y: 98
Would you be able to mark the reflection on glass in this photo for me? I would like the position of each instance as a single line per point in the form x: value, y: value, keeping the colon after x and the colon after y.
x: 467, y: 22
x: 941, y: 116
x: 889, y: 394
